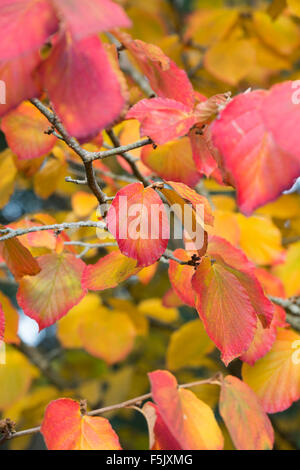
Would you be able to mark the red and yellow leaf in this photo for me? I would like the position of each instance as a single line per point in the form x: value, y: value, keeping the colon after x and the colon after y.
x: 248, y: 424
x: 109, y: 271
x: 189, y: 420
x: 49, y: 295
x: 258, y: 141
x: 276, y: 377
x: 24, y: 129
x: 64, y: 428
x: 163, y: 119
x: 139, y: 222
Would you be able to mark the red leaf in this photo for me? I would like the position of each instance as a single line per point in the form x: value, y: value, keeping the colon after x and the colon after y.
x: 138, y: 221
x: 230, y: 299
x: 160, y: 436
x: 49, y: 295
x: 2, y: 324
x: 86, y: 99
x: 245, y: 271
x: 20, y: 72
x: 202, y: 152
x: 19, y: 260
x: 258, y: 139
x: 109, y: 271
x: 166, y: 79
x: 25, y: 26
x: 91, y: 16
x: 225, y: 309
x: 24, y: 129
x: 181, y: 278
x: 64, y: 428
x: 190, y: 421
x: 163, y: 119
x: 248, y: 424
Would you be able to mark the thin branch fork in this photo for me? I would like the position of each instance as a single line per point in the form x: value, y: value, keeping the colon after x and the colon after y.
x: 11, y: 233
x: 215, y: 380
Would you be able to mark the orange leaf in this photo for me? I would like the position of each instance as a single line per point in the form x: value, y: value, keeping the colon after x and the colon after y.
x: 64, y: 428
x: 18, y: 258
x: 172, y: 161
x: 189, y: 420
x: 24, y: 129
x: 109, y: 271
x: 11, y: 320
x: 49, y: 295
x: 248, y: 424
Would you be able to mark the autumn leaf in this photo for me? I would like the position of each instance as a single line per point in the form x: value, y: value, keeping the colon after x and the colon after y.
x: 258, y: 144
x: 49, y: 295
x: 230, y: 300
x: 16, y: 377
x: 24, y: 129
x: 188, y: 346
x: 276, y: 377
x: 180, y: 276
x: 69, y: 68
x: 248, y: 424
x: 166, y: 79
x: 109, y: 271
x: 94, y: 16
x: 64, y: 428
x: 25, y: 25
x: 189, y: 420
x: 172, y: 161
x: 11, y: 320
x: 18, y: 258
x: 2, y: 324
x: 141, y: 232
x: 163, y: 119
x: 106, y: 334
x: 8, y: 171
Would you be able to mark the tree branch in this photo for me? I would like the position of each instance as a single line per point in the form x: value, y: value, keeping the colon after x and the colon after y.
x: 215, y: 380
x: 39, y: 360
x: 11, y: 233
x: 128, y: 158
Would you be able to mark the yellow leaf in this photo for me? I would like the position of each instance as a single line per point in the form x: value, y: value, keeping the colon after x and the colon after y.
x: 16, y: 376
x: 154, y: 308
x: 225, y: 226
x: 208, y: 26
x: 83, y: 204
x: 289, y: 271
x: 140, y: 322
x: 68, y: 326
x: 281, y: 34
x: 107, y: 334
x: 294, y: 6
x: 285, y: 207
x: 230, y: 60
x: 11, y: 320
x: 188, y: 346
x: 8, y: 173
x: 260, y: 239
x: 47, y: 179
x: 276, y: 377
